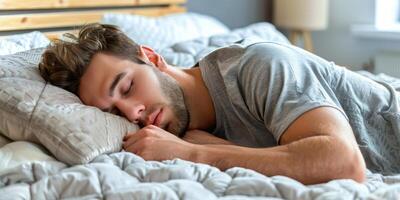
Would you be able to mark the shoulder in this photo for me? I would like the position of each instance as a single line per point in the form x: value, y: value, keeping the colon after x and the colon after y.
x: 273, y: 51
x: 325, y: 120
x: 267, y: 61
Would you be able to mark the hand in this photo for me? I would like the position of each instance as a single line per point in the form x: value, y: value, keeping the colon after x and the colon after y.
x: 154, y: 143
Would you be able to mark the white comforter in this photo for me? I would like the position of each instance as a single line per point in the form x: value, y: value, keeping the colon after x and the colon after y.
x: 126, y: 176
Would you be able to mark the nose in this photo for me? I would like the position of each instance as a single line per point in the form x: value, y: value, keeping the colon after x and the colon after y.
x: 133, y: 111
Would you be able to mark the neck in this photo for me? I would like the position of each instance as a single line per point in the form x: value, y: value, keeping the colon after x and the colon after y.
x: 197, y: 98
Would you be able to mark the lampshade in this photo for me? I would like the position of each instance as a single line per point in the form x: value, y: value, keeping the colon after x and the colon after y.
x: 301, y: 14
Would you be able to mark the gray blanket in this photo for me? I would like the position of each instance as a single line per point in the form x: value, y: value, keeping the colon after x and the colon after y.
x: 127, y: 176
x: 186, y: 54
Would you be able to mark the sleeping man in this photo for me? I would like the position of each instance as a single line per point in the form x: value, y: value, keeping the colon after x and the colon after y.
x: 269, y: 107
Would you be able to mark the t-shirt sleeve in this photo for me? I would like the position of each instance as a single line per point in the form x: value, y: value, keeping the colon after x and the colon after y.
x: 280, y: 83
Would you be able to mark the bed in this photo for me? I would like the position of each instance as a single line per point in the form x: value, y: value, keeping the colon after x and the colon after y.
x: 53, y: 147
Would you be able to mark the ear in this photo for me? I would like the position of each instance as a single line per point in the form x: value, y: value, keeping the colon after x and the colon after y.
x: 149, y: 55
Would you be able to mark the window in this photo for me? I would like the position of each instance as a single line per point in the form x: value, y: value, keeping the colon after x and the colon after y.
x: 387, y: 14
x: 398, y: 12
x: 386, y: 25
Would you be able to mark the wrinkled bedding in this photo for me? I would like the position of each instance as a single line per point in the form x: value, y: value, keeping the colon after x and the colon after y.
x: 187, y: 53
x: 124, y: 175
x: 22, y: 42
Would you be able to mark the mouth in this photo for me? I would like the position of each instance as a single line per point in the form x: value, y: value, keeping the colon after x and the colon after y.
x: 158, y: 118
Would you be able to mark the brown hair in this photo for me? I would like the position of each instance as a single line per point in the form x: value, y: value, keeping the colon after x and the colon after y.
x: 65, y: 61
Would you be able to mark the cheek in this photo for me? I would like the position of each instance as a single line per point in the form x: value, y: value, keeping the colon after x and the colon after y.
x: 150, y: 93
x: 169, y: 115
x: 170, y: 119
x: 149, y: 88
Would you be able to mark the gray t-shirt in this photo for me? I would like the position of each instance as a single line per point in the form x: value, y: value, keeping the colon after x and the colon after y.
x: 259, y: 89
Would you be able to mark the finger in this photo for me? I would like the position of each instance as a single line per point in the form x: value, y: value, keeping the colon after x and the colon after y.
x: 133, y: 149
x: 130, y: 141
x: 136, y: 147
x: 128, y: 135
x: 141, y: 134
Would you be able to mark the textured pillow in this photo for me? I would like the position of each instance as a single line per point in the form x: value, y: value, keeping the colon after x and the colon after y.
x: 22, y: 42
x: 38, y: 112
x: 164, y: 31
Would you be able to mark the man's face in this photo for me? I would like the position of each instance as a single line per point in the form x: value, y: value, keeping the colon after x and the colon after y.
x: 139, y: 92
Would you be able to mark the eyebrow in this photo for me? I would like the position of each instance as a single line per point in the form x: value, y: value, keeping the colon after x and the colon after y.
x: 115, y: 83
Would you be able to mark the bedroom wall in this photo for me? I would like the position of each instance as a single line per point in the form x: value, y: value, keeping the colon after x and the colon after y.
x: 338, y: 44
x: 233, y: 13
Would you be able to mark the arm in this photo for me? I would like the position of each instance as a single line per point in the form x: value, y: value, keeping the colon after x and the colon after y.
x: 202, y: 137
x: 319, y: 146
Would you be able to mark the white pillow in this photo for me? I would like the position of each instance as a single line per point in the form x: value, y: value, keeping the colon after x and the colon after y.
x: 17, y: 153
x: 32, y: 110
x: 22, y: 42
x: 161, y: 32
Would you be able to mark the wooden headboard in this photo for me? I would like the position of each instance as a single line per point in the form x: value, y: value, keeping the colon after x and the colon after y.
x: 65, y: 15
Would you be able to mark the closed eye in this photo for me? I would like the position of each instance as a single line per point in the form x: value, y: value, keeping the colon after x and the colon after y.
x: 128, y: 90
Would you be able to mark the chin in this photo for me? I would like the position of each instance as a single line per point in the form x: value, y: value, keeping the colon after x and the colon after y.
x: 177, y: 124
x: 172, y: 128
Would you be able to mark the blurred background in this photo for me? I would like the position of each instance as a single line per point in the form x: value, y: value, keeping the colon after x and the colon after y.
x: 356, y: 35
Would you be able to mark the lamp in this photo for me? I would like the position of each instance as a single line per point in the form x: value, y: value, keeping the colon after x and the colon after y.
x: 301, y: 17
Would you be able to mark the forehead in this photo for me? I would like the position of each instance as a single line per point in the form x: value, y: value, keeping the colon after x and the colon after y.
x: 98, y: 76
